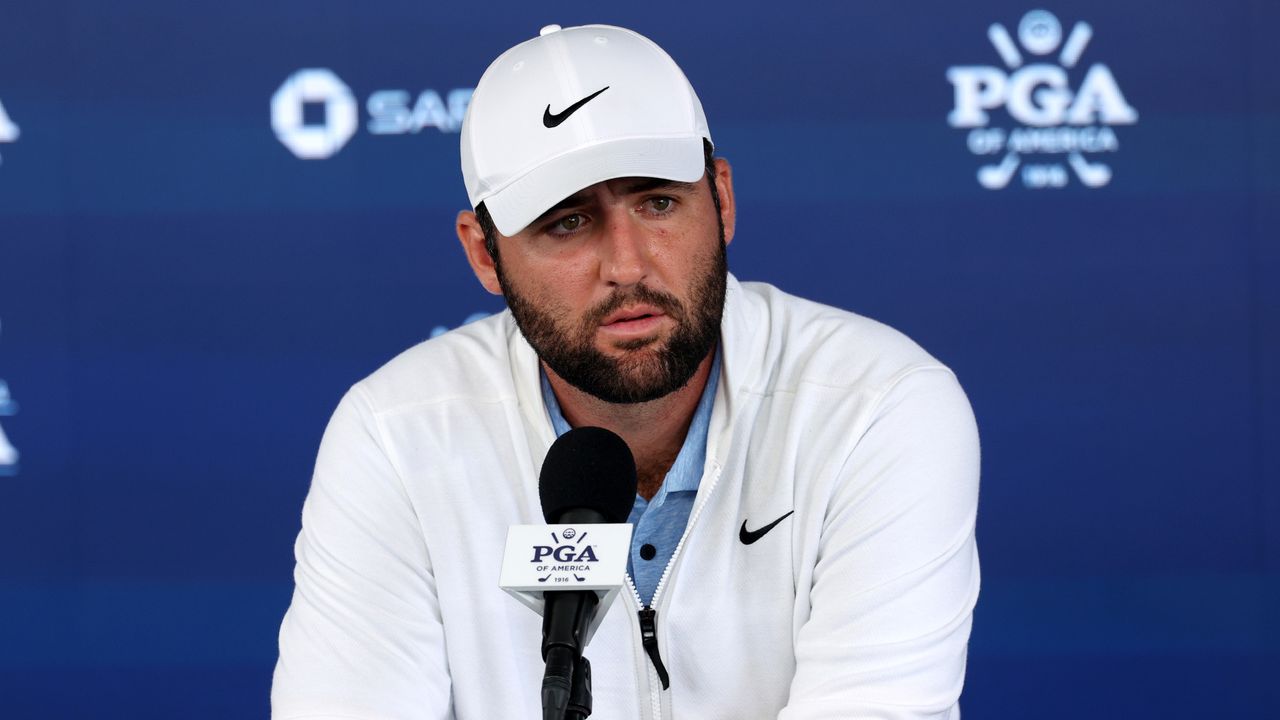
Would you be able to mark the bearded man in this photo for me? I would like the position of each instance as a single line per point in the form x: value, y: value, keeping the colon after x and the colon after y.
x: 807, y: 478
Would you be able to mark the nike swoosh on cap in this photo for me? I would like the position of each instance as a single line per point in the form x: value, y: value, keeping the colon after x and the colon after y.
x: 749, y: 536
x: 551, y: 120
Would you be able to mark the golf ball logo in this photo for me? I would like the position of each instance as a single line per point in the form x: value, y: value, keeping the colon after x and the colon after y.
x: 1062, y: 115
x: 1040, y: 32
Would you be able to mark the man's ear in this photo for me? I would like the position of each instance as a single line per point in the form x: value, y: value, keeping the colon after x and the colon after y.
x: 728, y: 209
x: 472, y: 239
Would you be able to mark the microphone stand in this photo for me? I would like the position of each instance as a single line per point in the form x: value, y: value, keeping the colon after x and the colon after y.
x: 566, y: 686
x: 580, y: 694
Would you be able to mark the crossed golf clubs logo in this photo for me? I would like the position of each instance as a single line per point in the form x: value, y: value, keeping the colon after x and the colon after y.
x: 1092, y: 174
x: 8, y: 453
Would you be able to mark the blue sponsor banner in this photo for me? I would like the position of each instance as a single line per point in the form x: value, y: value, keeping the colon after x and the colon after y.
x: 214, y: 219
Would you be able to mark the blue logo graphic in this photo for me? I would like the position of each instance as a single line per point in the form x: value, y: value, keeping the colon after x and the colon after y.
x: 391, y: 112
x: 8, y: 453
x: 341, y: 113
x: 563, y: 552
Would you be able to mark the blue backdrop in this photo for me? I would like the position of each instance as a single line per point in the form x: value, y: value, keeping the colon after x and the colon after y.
x: 1078, y: 210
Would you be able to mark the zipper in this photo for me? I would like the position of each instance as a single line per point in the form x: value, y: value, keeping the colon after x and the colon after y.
x: 649, y: 616
x: 662, y: 581
x: 649, y: 638
x: 655, y: 697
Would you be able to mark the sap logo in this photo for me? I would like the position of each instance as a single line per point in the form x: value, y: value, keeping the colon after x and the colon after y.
x: 563, y: 553
x: 391, y: 112
x: 1054, y: 118
x: 317, y: 86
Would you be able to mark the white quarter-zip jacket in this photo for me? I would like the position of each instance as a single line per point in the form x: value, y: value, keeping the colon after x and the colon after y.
x: 858, y: 604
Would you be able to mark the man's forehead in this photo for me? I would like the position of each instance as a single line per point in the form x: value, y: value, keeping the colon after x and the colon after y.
x: 622, y: 186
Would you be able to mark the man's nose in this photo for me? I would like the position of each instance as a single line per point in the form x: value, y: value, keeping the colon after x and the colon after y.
x: 624, y: 253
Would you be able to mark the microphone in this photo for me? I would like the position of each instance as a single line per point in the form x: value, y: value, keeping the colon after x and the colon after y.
x: 588, y: 477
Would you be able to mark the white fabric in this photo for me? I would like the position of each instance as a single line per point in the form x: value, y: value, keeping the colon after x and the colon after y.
x: 647, y: 123
x: 857, y: 606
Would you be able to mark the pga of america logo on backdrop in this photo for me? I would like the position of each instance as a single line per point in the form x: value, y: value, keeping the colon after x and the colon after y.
x: 1056, y: 130
x: 8, y: 453
x: 336, y: 112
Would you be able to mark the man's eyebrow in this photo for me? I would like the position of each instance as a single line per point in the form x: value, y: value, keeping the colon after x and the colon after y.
x: 574, y: 200
x: 649, y: 184
x: 639, y: 185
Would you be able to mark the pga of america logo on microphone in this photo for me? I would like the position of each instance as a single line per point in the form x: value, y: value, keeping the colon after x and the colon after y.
x: 588, y: 557
x: 565, y: 557
x: 542, y: 558
x: 1059, y: 131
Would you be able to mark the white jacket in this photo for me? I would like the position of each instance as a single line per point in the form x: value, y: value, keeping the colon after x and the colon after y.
x: 857, y: 606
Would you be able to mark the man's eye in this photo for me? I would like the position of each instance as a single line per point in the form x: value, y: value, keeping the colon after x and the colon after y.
x: 661, y: 204
x: 568, y: 223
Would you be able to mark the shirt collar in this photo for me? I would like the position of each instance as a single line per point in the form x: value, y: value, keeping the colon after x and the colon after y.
x: 686, y: 471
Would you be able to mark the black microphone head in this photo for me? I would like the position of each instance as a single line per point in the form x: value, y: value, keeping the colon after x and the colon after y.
x: 588, y: 468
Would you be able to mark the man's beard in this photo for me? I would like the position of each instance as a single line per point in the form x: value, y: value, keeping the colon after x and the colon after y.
x: 643, y: 372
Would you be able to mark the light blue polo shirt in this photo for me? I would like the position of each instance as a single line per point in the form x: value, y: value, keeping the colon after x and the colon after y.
x: 660, y: 522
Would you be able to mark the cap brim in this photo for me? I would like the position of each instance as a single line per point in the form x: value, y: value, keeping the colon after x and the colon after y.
x: 530, y: 195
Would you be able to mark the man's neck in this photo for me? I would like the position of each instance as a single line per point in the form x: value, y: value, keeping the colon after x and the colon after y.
x: 654, y: 430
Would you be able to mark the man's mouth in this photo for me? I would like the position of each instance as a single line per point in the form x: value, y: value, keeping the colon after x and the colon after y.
x: 635, y: 315
x: 633, y: 324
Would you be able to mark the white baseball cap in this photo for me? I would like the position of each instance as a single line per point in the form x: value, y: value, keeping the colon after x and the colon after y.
x: 571, y: 108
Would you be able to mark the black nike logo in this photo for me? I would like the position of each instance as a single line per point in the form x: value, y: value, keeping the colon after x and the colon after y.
x: 551, y: 120
x: 749, y: 536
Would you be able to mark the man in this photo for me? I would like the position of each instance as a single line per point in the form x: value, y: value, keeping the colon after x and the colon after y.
x: 804, y: 542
